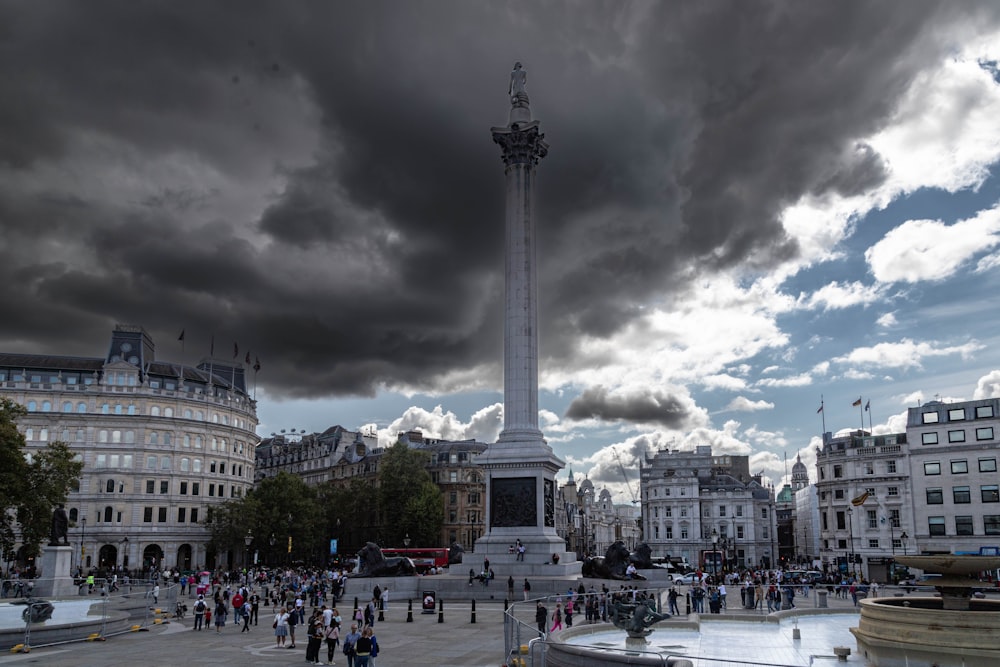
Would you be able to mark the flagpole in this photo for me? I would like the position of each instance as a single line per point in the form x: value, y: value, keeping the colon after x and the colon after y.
x: 822, y: 411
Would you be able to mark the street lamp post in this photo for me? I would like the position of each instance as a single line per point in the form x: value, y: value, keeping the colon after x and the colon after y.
x: 124, y: 544
x: 715, y: 560
x: 270, y: 552
x: 247, y: 541
x: 83, y: 543
x: 406, y: 541
x: 850, y: 532
x: 902, y: 538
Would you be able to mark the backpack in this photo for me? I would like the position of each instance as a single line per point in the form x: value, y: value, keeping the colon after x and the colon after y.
x: 374, y: 652
x: 200, y: 606
x: 348, y: 647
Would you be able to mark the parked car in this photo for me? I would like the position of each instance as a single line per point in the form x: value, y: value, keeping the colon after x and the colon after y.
x: 687, y: 579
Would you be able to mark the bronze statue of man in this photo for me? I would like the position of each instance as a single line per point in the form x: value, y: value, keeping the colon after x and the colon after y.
x: 60, y: 527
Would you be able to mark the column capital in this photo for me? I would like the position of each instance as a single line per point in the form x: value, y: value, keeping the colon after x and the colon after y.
x: 521, y: 143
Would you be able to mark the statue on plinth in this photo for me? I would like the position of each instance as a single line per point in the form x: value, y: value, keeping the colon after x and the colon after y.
x: 60, y: 527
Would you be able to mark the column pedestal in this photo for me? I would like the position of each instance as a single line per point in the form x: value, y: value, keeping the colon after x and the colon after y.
x: 55, y: 580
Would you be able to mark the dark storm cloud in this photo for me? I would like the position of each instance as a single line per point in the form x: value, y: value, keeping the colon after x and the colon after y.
x: 678, y: 132
x: 654, y: 407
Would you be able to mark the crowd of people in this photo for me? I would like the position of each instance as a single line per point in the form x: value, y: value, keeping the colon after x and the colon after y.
x: 302, y: 602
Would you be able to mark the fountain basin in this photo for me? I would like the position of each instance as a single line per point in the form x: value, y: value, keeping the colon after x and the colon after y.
x: 920, y: 631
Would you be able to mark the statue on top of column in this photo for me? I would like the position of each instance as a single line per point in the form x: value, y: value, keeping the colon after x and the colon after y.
x: 516, y: 89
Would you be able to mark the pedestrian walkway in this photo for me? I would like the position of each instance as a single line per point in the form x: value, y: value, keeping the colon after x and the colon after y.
x: 457, y: 642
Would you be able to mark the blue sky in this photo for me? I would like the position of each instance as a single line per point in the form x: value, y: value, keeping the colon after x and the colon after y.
x: 745, y: 207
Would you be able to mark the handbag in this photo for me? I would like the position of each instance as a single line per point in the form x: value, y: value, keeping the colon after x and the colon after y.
x: 275, y: 625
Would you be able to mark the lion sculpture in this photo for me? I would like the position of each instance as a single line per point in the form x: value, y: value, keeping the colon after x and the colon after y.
x: 372, y: 563
x: 612, y: 565
x: 455, y: 554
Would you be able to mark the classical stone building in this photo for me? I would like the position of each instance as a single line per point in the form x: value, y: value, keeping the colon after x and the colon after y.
x: 161, y: 443
x: 589, y: 524
x: 693, y: 501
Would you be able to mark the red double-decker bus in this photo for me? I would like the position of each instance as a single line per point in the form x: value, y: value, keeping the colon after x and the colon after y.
x: 423, y: 559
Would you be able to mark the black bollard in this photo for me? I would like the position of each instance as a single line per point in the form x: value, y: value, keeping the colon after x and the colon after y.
x: 355, y: 604
x: 687, y: 604
x: 474, y: 610
x: 440, y: 610
x: 506, y: 604
x: 409, y: 611
x: 381, y: 611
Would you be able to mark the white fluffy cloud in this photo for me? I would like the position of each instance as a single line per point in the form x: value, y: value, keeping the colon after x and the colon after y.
x: 744, y: 404
x: 988, y: 385
x: 484, y: 425
x: 905, y: 354
x: 840, y: 295
x: 931, y: 250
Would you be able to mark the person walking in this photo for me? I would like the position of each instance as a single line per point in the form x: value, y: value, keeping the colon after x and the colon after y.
x: 220, y: 615
x: 293, y: 620
x: 363, y: 649
x: 280, y: 627
x: 557, y: 619
x: 527, y: 590
x: 541, y: 617
x: 510, y: 587
x: 199, y: 612
x: 315, y: 637
x: 331, y: 634
x: 350, y: 645
x: 156, y: 594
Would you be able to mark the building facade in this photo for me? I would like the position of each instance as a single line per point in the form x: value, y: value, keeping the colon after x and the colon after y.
x: 696, y: 501
x: 161, y: 444
x: 864, y: 500
x: 589, y: 523
x: 953, y: 468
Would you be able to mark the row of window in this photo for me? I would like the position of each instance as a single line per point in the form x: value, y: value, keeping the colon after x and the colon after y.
x: 957, y: 414
x: 131, y: 410
x: 474, y: 498
x: 184, y: 486
x: 668, y: 532
x: 961, y: 495
x: 959, y: 466
x: 957, y: 435
x: 184, y: 514
x: 964, y: 525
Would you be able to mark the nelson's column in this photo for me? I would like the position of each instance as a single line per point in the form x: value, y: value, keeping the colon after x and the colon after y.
x: 520, y: 467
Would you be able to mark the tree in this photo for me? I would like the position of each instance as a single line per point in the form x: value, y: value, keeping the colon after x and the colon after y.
x: 410, y: 502
x: 30, y: 488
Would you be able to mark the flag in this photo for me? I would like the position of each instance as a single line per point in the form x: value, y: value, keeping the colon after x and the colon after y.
x: 248, y: 358
x: 860, y: 500
x: 181, y: 337
x: 857, y: 402
x: 820, y: 408
x: 256, y: 366
x: 236, y: 351
x: 868, y: 404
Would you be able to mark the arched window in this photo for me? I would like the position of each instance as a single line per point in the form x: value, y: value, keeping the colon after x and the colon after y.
x: 154, y: 438
x: 131, y: 409
x: 186, y: 440
x: 200, y: 416
x: 81, y: 435
x: 74, y: 514
x: 105, y: 409
x: 196, y: 465
x: 116, y: 436
x: 68, y: 406
x: 164, y: 463
x: 102, y: 436
x: 29, y: 434
x: 110, y: 486
x: 187, y: 414
x: 129, y: 437
x: 32, y: 406
x: 168, y: 412
x: 118, y: 408
x: 154, y: 411
x: 43, y: 434
x: 167, y: 439
x: 64, y: 436
x: 198, y: 440
x: 222, y: 468
x: 108, y: 515
x: 185, y: 464
x: 46, y: 406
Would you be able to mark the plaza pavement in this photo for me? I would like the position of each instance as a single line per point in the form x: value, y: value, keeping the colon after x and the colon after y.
x: 454, y: 643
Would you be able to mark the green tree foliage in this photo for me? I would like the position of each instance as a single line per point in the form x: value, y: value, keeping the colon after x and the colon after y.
x: 30, y: 491
x: 409, y: 502
x: 282, y: 506
x: 350, y: 514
